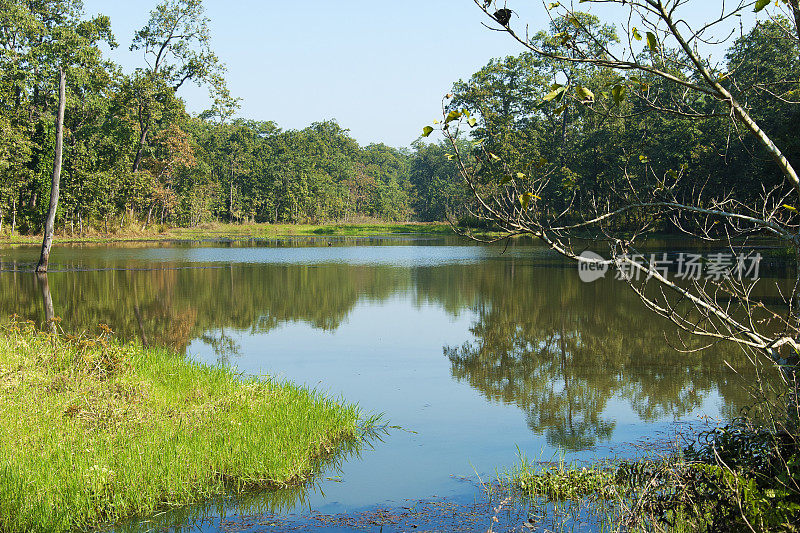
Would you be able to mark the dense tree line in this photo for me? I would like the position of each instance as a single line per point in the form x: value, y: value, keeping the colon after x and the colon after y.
x: 586, y: 133
x: 133, y: 156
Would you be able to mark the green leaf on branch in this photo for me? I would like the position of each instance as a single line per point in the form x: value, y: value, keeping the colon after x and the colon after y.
x: 652, y: 42
x: 555, y: 94
x: 426, y: 131
x: 618, y: 94
x: 790, y: 208
x: 472, y: 122
x: 553, y: 5
x: 644, y: 159
x: 494, y: 157
x: 761, y: 4
x: 520, y: 175
x: 453, y: 115
x: 525, y: 199
x: 584, y: 94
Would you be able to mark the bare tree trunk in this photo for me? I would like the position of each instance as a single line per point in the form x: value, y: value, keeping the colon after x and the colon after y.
x: 142, y: 140
x: 47, y: 242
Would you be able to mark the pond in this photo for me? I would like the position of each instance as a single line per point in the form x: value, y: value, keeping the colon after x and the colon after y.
x: 475, y: 353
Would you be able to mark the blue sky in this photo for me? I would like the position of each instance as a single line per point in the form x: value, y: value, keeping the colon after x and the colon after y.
x: 379, y: 68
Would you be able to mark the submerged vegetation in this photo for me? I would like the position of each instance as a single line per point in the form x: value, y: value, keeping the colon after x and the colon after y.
x: 93, y: 431
x: 738, y: 477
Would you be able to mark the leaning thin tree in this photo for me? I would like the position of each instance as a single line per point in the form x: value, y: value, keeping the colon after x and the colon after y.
x: 68, y: 46
x: 50, y: 222
x: 659, y: 48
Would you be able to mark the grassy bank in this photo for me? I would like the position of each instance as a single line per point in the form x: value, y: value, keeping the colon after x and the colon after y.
x: 220, y: 231
x: 93, y: 431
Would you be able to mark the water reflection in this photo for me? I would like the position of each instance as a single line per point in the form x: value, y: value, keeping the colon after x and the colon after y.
x: 47, y: 301
x: 561, y: 351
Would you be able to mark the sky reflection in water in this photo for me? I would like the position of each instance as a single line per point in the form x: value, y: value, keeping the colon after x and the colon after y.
x: 474, y: 351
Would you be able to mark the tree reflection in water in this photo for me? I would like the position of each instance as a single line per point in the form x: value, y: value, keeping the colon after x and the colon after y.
x: 562, y: 351
x: 559, y: 349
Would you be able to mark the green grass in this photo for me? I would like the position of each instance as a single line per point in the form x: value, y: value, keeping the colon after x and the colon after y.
x: 267, y: 231
x: 93, y: 431
x: 220, y: 231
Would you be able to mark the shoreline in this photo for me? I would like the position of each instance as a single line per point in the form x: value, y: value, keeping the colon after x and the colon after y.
x: 243, y: 232
x: 95, y: 432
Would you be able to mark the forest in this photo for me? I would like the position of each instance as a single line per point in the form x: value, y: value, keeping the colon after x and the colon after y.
x: 134, y: 157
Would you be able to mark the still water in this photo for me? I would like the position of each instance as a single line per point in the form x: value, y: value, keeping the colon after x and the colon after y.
x: 477, y: 353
